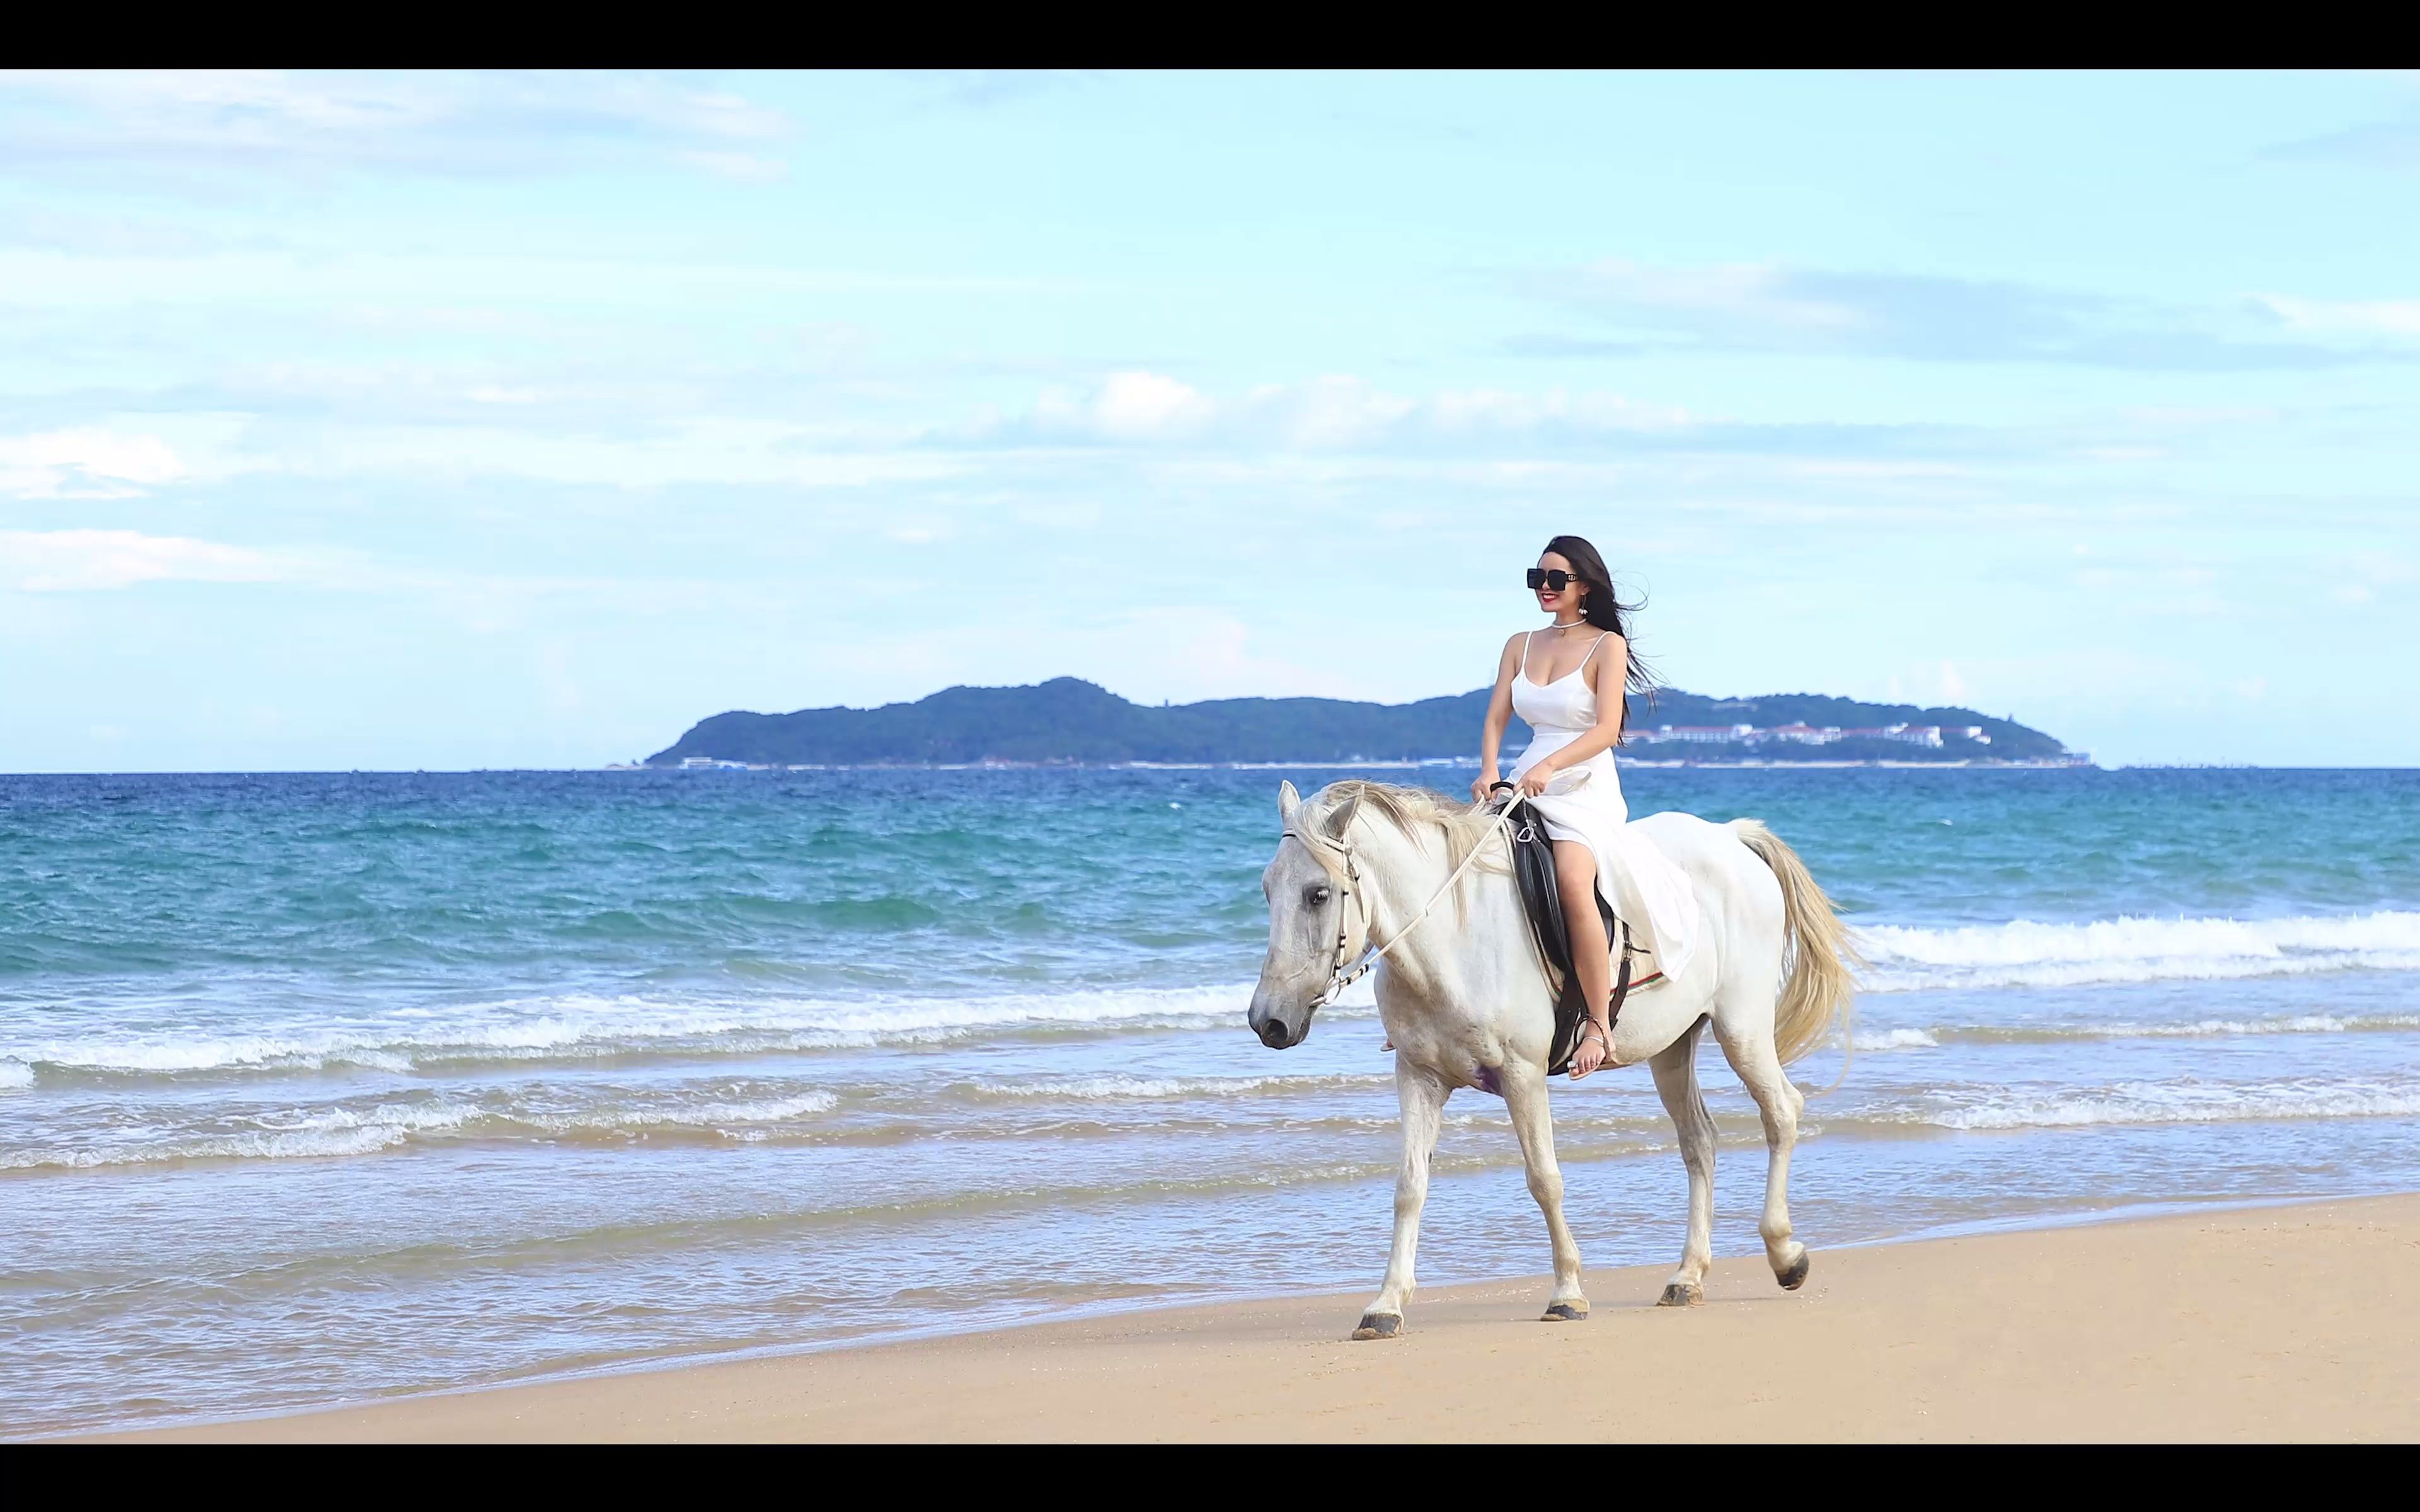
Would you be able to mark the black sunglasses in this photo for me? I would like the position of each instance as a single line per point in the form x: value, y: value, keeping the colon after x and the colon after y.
x: 1554, y: 578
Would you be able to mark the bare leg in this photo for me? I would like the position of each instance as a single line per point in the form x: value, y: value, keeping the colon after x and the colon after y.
x: 1592, y: 953
x: 1422, y: 1096
x: 1525, y: 1097
x: 1676, y: 1078
x: 1752, y: 1057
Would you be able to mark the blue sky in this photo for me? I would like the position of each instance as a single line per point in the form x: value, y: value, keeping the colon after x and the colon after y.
x: 459, y: 420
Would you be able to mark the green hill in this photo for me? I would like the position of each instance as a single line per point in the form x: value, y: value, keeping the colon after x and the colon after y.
x: 1067, y: 719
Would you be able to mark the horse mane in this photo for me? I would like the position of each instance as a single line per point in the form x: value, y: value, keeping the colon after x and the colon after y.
x: 1415, y: 813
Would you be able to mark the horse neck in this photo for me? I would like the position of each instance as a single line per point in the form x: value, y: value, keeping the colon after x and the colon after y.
x: 1399, y: 877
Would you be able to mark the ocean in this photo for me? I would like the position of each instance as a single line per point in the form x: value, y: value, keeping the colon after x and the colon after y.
x: 324, y: 1088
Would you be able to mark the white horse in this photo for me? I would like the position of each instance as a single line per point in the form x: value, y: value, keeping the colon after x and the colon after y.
x: 1468, y: 1002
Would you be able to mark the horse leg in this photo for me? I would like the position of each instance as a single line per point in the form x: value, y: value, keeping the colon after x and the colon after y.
x: 1525, y: 1097
x: 1676, y: 1079
x: 1421, y: 1096
x: 1752, y: 1056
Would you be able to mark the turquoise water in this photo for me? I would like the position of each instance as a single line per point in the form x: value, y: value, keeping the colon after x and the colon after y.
x: 320, y: 1088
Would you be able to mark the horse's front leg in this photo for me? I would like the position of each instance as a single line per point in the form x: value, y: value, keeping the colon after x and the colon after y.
x: 1421, y: 1094
x: 1525, y: 1096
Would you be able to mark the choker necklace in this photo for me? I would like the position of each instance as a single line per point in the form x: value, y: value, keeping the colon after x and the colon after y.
x: 1557, y: 625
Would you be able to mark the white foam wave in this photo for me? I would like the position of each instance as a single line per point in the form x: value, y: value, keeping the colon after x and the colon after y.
x: 1116, y: 1085
x: 722, y: 1114
x: 1896, y: 1039
x: 2200, y: 1028
x: 592, y: 1026
x: 2027, y: 953
x: 2142, y: 1102
x: 15, y: 1074
x: 2291, y: 1024
x: 334, y: 1132
x: 343, y: 1132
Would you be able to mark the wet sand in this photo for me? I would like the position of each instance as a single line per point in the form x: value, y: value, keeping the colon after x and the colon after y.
x: 2277, y: 1324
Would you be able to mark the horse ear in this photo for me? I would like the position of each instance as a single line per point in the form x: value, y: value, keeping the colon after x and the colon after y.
x: 1339, y: 819
x: 1288, y: 801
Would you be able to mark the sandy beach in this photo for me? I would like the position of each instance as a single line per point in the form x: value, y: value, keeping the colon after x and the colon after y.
x: 2275, y: 1323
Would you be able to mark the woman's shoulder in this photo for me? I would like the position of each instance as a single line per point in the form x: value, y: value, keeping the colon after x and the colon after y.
x: 1615, y: 651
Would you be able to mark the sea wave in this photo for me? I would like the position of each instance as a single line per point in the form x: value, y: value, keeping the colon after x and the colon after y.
x: 178, y: 1039
x: 345, y: 1131
x: 2151, y: 1103
x: 2028, y: 953
x: 1114, y: 1086
x: 2053, y: 1031
x: 580, y: 1027
x: 1895, y: 1040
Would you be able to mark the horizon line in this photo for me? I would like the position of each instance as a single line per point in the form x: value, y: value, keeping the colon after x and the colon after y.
x: 622, y: 768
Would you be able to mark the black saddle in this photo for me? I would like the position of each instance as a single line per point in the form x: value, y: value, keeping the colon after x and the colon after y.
x: 1533, y: 869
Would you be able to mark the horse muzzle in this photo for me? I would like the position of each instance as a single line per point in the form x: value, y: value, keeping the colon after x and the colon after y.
x: 1274, y: 1030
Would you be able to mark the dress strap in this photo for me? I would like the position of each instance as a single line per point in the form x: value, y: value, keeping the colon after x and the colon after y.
x: 1526, y: 637
x: 1591, y: 649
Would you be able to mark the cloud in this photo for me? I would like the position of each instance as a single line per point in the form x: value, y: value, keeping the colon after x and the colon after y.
x: 741, y: 167
x: 1335, y: 412
x: 207, y: 123
x: 86, y: 462
x: 1768, y: 308
x: 2372, y: 145
x: 118, y: 236
x: 982, y: 88
x: 1329, y: 413
x: 1138, y: 406
x: 57, y: 562
x: 2368, y: 317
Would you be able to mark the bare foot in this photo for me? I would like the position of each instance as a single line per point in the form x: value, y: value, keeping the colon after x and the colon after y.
x: 1594, y: 1051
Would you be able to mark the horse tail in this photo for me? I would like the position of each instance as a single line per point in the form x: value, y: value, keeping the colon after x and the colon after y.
x: 1818, y: 952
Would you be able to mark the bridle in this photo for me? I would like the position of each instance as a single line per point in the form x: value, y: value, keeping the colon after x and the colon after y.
x: 1338, y: 976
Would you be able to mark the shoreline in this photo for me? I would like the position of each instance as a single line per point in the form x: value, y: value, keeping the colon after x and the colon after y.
x: 2240, y: 1321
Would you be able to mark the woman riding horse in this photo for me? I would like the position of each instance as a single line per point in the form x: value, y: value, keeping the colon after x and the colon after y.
x: 1570, y: 680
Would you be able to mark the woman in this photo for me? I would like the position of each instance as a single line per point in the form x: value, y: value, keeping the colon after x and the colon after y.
x: 1571, y: 680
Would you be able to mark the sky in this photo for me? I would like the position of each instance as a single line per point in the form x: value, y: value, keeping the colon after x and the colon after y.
x: 483, y: 420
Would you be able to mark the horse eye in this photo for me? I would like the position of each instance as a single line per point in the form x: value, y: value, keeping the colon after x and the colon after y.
x: 1317, y: 895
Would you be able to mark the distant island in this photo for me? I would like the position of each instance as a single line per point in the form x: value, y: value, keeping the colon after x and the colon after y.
x: 1070, y: 721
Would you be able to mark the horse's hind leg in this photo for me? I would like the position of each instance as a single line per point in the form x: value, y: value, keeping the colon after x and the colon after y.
x: 1525, y: 1098
x: 1751, y: 1055
x: 1676, y: 1078
x: 1422, y: 1096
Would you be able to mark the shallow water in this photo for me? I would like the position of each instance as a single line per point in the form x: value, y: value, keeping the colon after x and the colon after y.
x: 319, y: 1088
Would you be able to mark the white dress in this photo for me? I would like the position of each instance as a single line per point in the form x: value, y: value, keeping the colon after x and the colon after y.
x: 1583, y: 802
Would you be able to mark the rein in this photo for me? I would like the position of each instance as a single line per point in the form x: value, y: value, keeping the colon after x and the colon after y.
x: 1338, y: 976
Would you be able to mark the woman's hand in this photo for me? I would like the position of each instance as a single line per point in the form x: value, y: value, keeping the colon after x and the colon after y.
x: 1534, y: 781
x: 1483, y: 789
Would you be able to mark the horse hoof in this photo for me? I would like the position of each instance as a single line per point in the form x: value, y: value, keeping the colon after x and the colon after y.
x: 1795, y: 1276
x: 1565, y: 1312
x: 1677, y: 1295
x: 1378, y: 1326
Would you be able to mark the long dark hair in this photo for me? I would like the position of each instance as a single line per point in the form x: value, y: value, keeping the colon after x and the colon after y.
x: 1602, y: 608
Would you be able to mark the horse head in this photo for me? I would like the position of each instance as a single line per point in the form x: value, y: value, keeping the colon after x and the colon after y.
x: 1312, y: 924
